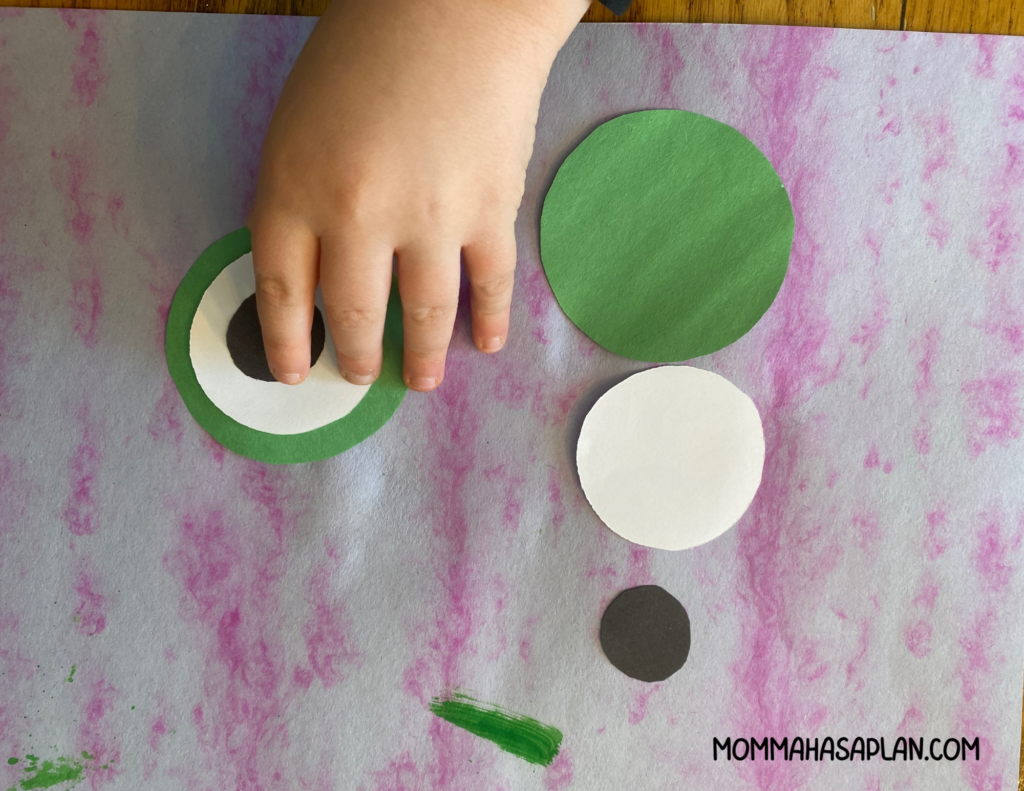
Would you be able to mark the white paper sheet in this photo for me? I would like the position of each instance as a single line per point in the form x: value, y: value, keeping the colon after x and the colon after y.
x: 234, y: 625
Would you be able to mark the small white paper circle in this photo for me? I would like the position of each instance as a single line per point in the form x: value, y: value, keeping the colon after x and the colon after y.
x: 671, y: 457
x: 272, y: 407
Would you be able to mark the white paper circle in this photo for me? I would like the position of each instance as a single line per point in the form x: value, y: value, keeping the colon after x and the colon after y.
x: 272, y: 407
x: 672, y: 457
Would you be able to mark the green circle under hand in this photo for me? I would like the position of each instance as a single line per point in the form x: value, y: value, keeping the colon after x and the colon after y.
x: 665, y: 235
x: 369, y: 415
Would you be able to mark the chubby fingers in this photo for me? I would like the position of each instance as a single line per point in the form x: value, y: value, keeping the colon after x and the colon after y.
x: 284, y: 256
x: 428, y: 280
x: 490, y: 267
x: 355, y: 279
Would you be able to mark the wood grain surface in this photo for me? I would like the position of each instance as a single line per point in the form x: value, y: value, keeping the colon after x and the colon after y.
x: 940, y: 16
x: 937, y: 16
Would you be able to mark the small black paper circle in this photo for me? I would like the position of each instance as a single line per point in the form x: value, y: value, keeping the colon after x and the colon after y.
x: 645, y: 633
x: 245, y: 341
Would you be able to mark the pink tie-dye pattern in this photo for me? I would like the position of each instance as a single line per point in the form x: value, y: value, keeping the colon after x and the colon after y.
x: 925, y: 390
x: 165, y: 423
x: 638, y: 706
x: 81, y: 514
x: 452, y: 426
x: 69, y: 176
x: 329, y: 647
x: 558, y: 776
x: 940, y: 150
x: 869, y: 336
x: 98, y: 733
x: 664, y: 56
x: 992, y: 411
x: 89, y: 73
x: 9, y: 297
x: 230, y: 577
x: 91, y: 612
x: 268, y: 44
x: 935, y: 539
x: 781, y: 68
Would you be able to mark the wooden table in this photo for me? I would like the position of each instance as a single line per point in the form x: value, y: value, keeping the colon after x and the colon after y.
x: 943, y: 16
x: 938, y: 16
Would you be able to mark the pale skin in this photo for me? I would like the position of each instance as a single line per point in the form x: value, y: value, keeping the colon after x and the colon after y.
x: 404, y: 132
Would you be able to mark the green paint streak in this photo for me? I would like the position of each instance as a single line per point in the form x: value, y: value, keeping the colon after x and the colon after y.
x: 514, y: 733
x: 48, y: 773
x: 71, y: 678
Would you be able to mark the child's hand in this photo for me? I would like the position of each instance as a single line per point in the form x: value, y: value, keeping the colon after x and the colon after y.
x: 404, y: 129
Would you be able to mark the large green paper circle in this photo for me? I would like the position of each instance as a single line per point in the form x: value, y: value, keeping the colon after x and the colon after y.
x: 372, y: 412
x: 665, y: 235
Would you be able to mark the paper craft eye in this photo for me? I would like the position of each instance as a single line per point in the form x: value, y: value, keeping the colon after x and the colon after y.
x: 216, y: 358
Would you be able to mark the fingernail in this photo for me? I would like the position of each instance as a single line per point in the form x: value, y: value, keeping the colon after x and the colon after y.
x: 422, y: 382
x: 289, y: 379
x: 359, y: 379
x: 491, y: 344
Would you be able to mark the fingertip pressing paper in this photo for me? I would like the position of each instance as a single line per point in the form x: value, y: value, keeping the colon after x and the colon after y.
x: 267, y: 420
x: 665, y: 235
x: 671, y: 457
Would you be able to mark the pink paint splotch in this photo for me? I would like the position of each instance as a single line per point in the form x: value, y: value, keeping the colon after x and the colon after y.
x: 87, y: 308
x: 925, y: 390
x: 69, y: 174
x: 869, y: 335
x: 329, y: 647
x: 638, y: 706
x: 90, y: 617
x: 936, y: 539
x: 665, y: 59
x: 165, y: 423
x: 558, y: 775
x: 81, y: 513
x: 992, y: 411
x: 994, y: 551
x: 89, y: 72
x: 99, y: 732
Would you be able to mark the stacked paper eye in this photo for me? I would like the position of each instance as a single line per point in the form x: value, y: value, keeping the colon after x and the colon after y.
x: 216, y: 358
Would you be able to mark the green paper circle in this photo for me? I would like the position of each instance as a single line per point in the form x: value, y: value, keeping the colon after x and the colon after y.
x: 372, y: 412
x: 665, y: 235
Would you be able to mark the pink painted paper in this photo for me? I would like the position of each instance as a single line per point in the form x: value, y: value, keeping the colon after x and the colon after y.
x: 238, y: 626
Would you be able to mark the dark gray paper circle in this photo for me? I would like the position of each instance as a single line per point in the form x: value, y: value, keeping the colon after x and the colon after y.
x: 245, y: 341
x: 645, y: 633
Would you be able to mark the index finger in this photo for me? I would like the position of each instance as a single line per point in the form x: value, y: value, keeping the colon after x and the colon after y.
x: 285, y: 258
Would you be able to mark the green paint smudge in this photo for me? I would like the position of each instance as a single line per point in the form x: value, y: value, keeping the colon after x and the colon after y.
x: 47, y: 774
x: 514, y: 733
x: 71, y: 678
